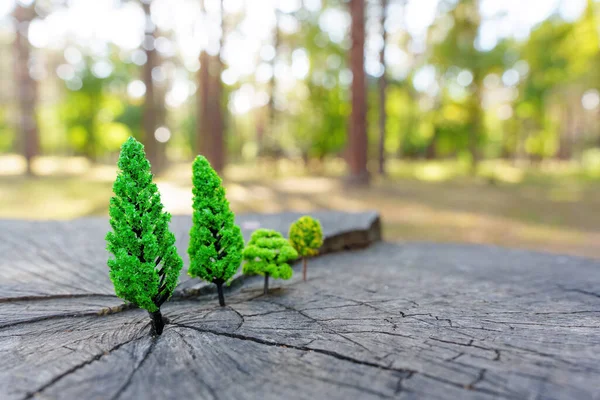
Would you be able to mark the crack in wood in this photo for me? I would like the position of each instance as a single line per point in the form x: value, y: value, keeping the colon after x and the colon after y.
x: 400, y: 385
x: 55, y: 297
x: 50, y: 317
x: 301, y: 348
x: 586, y: 292
x: 359, y: 388
x: 480, y: 377
x: 77, y: 367
x: 458, y: 339
x: 124, y: 387
x: 343, y: 357
x: 320, y: 324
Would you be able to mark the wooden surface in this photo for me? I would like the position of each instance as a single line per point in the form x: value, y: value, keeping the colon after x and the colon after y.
x: 390, y: 321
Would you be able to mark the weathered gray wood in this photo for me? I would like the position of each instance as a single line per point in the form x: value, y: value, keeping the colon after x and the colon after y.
x: 391, y: 321
x: 69, y: 258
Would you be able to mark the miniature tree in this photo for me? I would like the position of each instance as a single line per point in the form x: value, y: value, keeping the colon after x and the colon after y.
x: 268, y: 253
x: 216, y: 243
x: 145, y: 265
x: 306, y: 236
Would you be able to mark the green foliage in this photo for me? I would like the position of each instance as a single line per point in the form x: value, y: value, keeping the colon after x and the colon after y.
x: 131, y: 117
x: 7, y: 136
x: 268, y: 252
x: 216, y: 243
x: 306, y: 236
x: 145, y: 264
x: 93, y: 115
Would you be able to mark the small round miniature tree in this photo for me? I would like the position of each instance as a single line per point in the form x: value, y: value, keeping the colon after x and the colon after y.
x: 268, y: 253
x: 216, y: 243
x: 145, y: 265
x: 306, y: 236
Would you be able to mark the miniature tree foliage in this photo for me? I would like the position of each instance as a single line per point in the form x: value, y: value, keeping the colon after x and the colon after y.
x: 268, y: 253
x: 306, y: 235
x: 216, y: 243
x: 145, y: 265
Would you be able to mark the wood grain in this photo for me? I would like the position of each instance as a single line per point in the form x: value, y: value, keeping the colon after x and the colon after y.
x: 400, y: 321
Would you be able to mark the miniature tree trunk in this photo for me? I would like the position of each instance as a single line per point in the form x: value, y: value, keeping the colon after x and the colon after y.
x: 158, y: 323
x: 304, y: 268
x: 266, y: 290
x: 220, y: 291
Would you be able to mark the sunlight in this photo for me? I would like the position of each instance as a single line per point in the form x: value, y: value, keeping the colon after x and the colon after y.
x: 84, y: 23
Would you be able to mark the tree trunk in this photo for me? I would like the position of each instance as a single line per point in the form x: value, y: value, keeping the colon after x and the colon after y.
x: 476, y: 124
x: 266, y: 288
x: 217, y: 153
x: 202, y: 124
x: 221, y: 296
x: 357, y: 134
x: 218, y: 161
x: 565, y: 150
x: 273, y: 81
x: 158, y: 323
x: 431, y: 150
x: 304, y: 268
x: 149, y: 112
x: 90, y: 149
x: 382, y: 90
x: 26, y: 92
x: 260, y: 130
x: 211, y: 126
x: 60, y: 342
x: 266, y: 138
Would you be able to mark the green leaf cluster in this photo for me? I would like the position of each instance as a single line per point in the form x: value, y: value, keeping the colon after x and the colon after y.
x: 216, y: 243
x: 306, y: 236
x: 268, y: 252
x: 145, y: 265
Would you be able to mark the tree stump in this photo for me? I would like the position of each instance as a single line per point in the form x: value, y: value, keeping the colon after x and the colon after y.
x: 390, y: 321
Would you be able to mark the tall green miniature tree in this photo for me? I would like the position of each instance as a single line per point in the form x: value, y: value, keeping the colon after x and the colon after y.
x: 216, y: 243
x: 268, y: 253
x: 145, y: 265
x: 306, y: 236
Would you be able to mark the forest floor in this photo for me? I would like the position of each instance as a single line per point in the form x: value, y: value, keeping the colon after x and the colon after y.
x: 549, y: 210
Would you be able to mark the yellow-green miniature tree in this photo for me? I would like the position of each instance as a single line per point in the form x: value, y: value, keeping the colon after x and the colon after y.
x: 306, y: 236
x: 145, y: 265
x: 268, y: 253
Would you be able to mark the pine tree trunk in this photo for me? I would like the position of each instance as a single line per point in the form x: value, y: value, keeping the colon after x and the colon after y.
x: 218, y: 161
x: 202, y: 117
x: 431, y: 150
x: 266, y: 289
x: 221, y: 296
x: 26, y: 89
x: 210, y: 121
x: 357, y: 134
x: 476, y: 128
x: 149, y: 108
x: 215, y: 151
x: 158, y: 323
x: 304, y: 268
x: 382, y: 90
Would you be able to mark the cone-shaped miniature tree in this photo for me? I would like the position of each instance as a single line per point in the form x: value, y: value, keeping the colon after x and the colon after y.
x: 268, y: 253
x: 306, y: 236
x: 216, y: 243
x: 145, y: 265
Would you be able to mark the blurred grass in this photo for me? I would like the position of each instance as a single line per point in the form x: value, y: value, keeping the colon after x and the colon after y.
x: 549, y: 207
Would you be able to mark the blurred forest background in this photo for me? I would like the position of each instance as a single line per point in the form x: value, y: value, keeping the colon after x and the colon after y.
x: 460, y: 120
